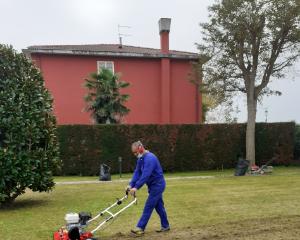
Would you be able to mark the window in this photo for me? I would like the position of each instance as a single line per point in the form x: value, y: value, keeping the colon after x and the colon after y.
x: 105, y: 64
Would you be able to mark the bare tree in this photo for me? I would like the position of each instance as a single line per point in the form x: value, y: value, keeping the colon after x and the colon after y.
x: 248, y: 43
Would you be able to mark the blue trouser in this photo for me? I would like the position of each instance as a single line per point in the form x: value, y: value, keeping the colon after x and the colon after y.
x: 154, y: 200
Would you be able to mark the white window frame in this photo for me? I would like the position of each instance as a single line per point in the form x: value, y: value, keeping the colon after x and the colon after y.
x: 105, y: 64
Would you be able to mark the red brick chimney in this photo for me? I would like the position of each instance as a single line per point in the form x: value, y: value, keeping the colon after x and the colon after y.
x: 164, y: 29
x: 165, y: 109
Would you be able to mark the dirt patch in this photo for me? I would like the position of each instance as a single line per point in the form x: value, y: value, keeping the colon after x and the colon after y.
x: 285, y: 228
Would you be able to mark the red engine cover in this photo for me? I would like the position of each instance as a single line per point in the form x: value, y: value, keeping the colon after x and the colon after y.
x: 62, y: 234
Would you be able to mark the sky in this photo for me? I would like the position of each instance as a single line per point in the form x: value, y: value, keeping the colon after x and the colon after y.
x: 41, y: 22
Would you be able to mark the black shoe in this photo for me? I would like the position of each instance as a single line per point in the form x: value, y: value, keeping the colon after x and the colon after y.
x: 163, y: 229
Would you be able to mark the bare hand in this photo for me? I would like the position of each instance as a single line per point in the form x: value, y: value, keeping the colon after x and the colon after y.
x: 132, y: 191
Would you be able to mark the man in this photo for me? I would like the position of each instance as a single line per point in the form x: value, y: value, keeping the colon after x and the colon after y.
x: 148, y: 170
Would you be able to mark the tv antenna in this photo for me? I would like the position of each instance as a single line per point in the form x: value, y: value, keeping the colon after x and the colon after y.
x: 122, y: 34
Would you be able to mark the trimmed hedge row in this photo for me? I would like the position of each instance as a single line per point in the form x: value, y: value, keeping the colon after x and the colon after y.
x: 179, y: 147
x: 297, y: 144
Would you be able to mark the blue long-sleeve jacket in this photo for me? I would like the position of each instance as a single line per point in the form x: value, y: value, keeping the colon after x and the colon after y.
x: 148, y: 170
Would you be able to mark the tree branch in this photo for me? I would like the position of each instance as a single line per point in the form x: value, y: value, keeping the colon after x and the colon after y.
x: 277, y: 45
x: 257, y: 36
x: 284, y: 64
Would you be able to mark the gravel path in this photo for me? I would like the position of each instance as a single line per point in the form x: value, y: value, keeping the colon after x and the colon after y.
x: 126, y: 180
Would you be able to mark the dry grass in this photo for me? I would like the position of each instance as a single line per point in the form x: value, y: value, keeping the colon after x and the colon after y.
x: 223, y: 207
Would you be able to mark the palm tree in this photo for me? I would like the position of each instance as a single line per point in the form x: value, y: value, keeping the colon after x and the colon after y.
x: 104, y: 100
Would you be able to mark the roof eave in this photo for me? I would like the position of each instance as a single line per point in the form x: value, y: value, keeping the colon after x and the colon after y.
x: 107, y: 54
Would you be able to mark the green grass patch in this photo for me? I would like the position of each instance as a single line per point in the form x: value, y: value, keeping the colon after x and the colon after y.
x: 193, y: 204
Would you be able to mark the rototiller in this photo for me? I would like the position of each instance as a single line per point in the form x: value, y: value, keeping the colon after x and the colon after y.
x: 76, y: 223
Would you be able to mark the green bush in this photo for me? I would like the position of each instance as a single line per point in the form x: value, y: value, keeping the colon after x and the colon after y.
x: 179, y: 147
x: 28, y: 144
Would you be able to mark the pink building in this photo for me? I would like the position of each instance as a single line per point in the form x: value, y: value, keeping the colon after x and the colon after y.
x: 160, y: 90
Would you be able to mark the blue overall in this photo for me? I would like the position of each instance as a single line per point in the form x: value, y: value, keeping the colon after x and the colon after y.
x: 149, y: 171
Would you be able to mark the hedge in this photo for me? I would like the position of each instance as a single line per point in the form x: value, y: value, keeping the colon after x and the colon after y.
x: 179, y: 147
x: 297, y: 144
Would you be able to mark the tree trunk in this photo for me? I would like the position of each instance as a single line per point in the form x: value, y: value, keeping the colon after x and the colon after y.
x: 250, y: 132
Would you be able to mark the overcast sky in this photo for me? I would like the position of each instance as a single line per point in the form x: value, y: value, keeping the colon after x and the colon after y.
x: 40, y: 22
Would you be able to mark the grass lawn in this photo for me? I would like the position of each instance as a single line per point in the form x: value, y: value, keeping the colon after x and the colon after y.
x: 222, y: 207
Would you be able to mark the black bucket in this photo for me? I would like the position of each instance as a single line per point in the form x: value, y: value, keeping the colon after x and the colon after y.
x: 241, y: 167
x: 104, y: 173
